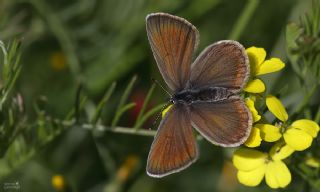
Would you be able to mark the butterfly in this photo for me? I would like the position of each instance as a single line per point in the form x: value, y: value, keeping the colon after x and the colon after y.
x: 206, y: 93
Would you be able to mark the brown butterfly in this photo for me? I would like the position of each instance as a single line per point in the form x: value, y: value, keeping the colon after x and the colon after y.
x: 205, y: 93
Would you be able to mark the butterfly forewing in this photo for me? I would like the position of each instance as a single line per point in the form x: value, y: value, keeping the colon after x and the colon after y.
x: 226, y: 123
x: 174, y: 147
x: 173, y: 41
x: 222, y: 64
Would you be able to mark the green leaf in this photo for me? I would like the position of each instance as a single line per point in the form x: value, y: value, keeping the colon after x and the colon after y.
x: 101, y: 104
x: 148, y: 115
x: 123, y: 99
x: 120, y: 113
x: 144, y: 106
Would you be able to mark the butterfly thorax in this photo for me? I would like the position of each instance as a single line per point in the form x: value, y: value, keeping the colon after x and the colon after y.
x: 208, y: 94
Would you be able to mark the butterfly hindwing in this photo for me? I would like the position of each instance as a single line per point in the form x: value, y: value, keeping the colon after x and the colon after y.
x: 174, y: 147
x: 173, y: 41
x: 226, y: 123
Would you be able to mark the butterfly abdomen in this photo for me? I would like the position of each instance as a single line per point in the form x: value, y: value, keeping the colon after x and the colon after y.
x: 208, y: 94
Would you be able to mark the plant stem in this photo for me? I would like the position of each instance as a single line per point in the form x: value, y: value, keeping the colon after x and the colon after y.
x: 124, y: 130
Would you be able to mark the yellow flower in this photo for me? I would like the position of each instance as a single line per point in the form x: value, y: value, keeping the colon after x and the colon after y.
x: 250, y: 103
x: 254, y: 139
x: 269, y: 133
x: 253, y: 166
x: 276, y: 107
x: 299, y: 135
x: 260, y: 66
x: 280, y: 151
x: 58, y: 182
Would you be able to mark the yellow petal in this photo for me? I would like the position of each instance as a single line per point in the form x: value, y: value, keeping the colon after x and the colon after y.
x: 269, y: 133
x: 310, y: 127
x: 276, y: 108
x: 166, y: 110
x: 255, y: 86
x: 248, y: 159
x: 280, y: 151
x: 254, y: 140
x: 256, y: 57
x: 297, y: 139
x: 252, y: 178
x: 250, y: 103
x: 277, y: 174
x: 269, y: 66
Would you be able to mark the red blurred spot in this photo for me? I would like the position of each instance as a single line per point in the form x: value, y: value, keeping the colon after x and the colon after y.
x: 138, y: 97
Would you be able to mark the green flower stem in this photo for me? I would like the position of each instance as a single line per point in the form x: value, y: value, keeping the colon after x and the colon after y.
x: 244, y: 19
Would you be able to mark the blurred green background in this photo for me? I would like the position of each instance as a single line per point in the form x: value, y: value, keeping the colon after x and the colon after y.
x: 98, y: 42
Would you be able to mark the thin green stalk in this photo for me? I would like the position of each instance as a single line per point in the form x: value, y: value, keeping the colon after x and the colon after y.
x: 123, y: 99
x: 127, y: 92
x: 78, y: 103
x: 144, y: 106
x: 72, y: 112
x: 101, y: 104
x: 123, y: 130
x: 120, y: 112
x: 148, y: 115
x: 244, y: 19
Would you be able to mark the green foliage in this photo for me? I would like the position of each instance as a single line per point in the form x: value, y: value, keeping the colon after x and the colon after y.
x: 303, y: 49
x: 11, y: 105
x: 90, y: 111
x: 303, y: 41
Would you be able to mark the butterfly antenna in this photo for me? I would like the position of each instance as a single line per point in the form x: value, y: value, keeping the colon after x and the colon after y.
x: 157, y: 83
x: 159, y: 114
